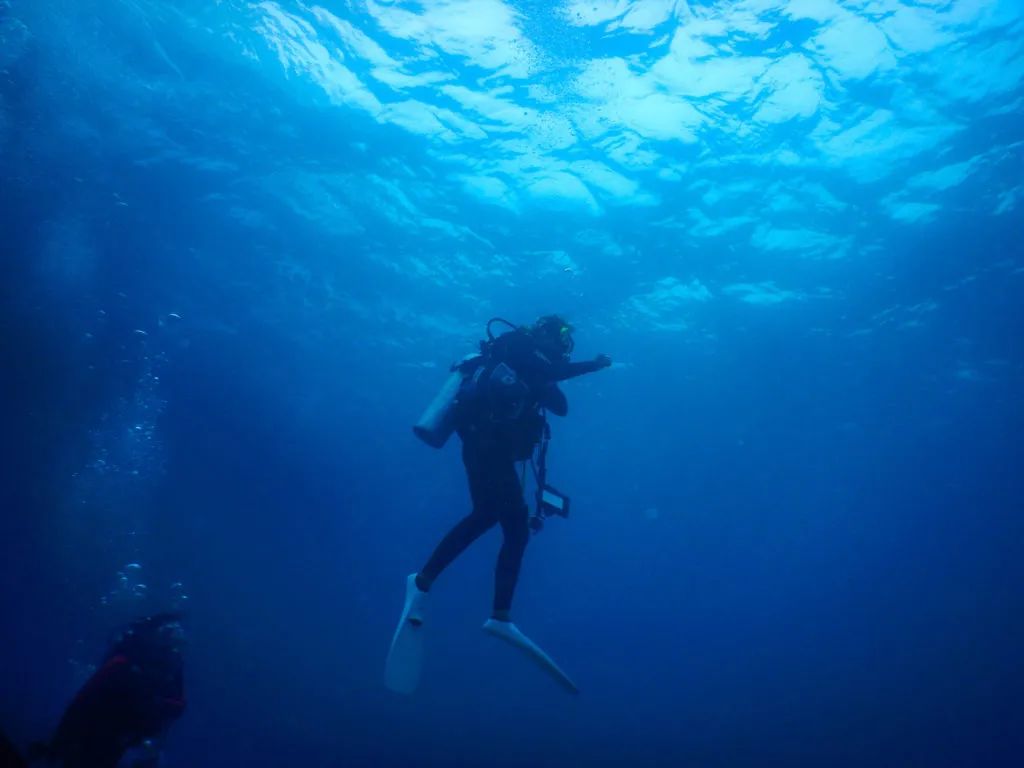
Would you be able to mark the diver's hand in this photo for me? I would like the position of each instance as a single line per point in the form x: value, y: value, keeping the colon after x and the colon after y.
x: 603, y: 361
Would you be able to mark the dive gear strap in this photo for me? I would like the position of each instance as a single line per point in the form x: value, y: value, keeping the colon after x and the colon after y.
x: 548, y: 500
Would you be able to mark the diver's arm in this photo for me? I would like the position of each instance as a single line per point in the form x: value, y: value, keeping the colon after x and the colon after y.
x: 528, y: 361
x: 567, y: 370
x: 553, y: 399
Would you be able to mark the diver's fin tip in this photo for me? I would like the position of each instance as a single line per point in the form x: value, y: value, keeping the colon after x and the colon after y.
x: 511, y: 634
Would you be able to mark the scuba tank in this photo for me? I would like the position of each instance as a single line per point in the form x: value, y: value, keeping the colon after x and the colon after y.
x: 437, y: 423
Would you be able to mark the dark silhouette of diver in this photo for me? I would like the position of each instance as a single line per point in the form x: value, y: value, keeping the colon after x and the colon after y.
x: 497, y: 402
x: 9, y: 755
x: 136, y: 693
x: 500, y: 424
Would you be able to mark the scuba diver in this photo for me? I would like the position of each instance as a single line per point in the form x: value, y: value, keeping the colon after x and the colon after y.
x: 10, y: 757
x: 128, y: 703
x: 497, y: 402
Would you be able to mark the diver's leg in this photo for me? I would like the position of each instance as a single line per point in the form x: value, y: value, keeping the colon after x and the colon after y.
x: 514, y: 518
x: 466, y: 531
x: 487, y: 473
x: 481, y: 473
x: 515, y: 524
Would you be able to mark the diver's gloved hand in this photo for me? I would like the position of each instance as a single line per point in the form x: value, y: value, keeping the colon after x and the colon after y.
x: 603, y: 361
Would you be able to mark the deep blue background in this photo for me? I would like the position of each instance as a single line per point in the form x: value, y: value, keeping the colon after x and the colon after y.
x: 793, y: 544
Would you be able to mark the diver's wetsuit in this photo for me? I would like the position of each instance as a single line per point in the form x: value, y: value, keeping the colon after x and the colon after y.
x: 490, y: 451
x: 9, y: 756
x: 129, y: 699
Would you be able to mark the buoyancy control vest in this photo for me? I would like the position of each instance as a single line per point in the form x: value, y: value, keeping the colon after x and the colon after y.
x: 496, y: 406
x: 487, y: 400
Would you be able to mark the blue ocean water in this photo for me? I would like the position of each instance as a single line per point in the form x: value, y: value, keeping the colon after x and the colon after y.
x: 242, y: 242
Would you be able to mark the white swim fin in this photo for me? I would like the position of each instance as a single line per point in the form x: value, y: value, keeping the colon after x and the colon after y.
x: 509, y: 632
x: 405, y: 658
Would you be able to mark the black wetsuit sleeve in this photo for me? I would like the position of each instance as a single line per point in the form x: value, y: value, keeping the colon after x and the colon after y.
x: 566, y: 370
x: 521, y: 353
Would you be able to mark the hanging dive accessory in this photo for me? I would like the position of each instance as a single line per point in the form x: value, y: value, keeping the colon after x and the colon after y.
x: 548, y: 501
